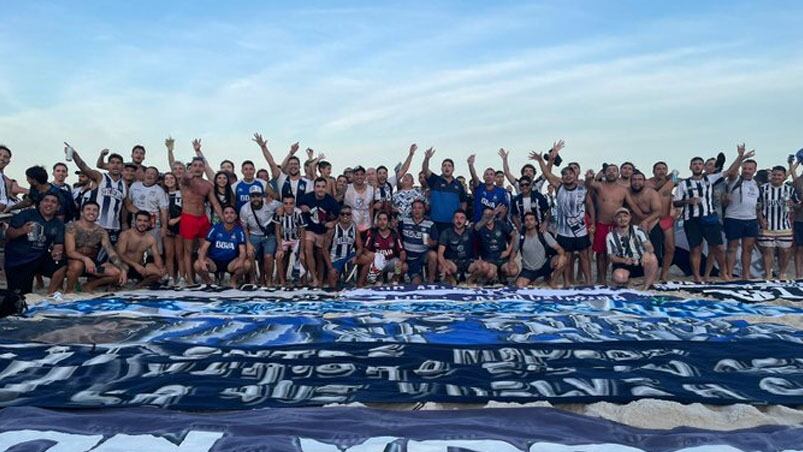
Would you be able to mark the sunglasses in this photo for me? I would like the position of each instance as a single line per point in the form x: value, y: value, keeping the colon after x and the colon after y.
x: 345, y: 214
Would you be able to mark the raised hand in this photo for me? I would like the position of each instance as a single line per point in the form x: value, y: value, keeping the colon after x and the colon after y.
x: 196, y: 144
x: 557, y: 146
x: 535, y: 155
x: 260, y: 141
x: 321, y: 156
x: 170, y: 143
x: 310, y: 153
x: 104, y: 152
x: 503, y: 153
x: 429, y: 153
x: 471, y: 159
x: 740, y: 148
x: 294, y: 148
x: 750, y: 154
x: 413, y: 148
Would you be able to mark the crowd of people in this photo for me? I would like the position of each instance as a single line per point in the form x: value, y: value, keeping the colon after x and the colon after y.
x: 294, y: 222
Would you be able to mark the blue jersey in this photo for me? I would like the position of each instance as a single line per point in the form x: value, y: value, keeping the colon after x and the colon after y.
x: 412, y: 234
x: 444, y: 198
x: 242, y: 190
x: 225, y: 245
x: 484, y: 198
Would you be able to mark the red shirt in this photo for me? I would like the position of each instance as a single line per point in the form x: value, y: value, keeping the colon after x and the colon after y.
x: 389, y: 246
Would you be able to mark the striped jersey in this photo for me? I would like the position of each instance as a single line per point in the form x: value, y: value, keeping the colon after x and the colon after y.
x: 698, y: 188
x: 630, y: 245
x: 773, y: 205
x: 291, y: 224
x: 413, y: 235
x: 342, y: 242
x: 571, y: 211
x: 110, y: 196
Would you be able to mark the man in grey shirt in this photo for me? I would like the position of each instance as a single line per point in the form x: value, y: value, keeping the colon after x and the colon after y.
x: 541, y: 256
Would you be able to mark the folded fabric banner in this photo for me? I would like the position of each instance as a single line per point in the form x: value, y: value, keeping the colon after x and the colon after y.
x: 744, y: 291
x: 364, y: 430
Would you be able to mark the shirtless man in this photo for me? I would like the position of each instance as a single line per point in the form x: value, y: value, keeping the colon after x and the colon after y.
x: 133, y: 245
x: 626, y: 170
x: 610, y: 196
x: 663, y: 184
x: 195, y: 192
x: 83, y: 242
x: 650, y: 209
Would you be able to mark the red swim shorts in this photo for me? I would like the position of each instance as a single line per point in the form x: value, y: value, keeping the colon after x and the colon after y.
x: 667, y: 222
x: 193, y: 226
x: 600, y: 236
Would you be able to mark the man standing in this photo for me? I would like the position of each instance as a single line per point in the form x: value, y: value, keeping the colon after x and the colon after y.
x: 288, y: 180
x: 245, y: 186
x: 37, y: 178
x: 486, y: 193
x: 541, y: 256
x: 383, y: 241
x: 35, y: 245
x: 149, y: 196
x: 775, y: 204
x: 257, y: 219
x: 456, y: 260
x: 342, y: 245
x: 359, y: 196
x: 138, y: 249
x: 626, y: 170
x: 195, y: 193
x: 529, y: 201
x: 630, y: 252
x: 110, y: 193
x: 663, y: 184
x: 446, y: 194
x: 136, y: 163
x: 419, y: 237
x: 224, y: 250
x: 649, y: 210
x: 320, y: 211
x: 741, y: 221
x: 83, y: 242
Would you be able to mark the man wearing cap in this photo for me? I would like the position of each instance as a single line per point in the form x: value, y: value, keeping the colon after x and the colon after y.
x: 630, y: 251
x: 257, y: 217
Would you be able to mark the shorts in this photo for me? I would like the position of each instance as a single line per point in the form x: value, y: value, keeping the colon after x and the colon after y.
x: 20, y: 277
x: 696, y: 230
x: 416, y: 265
x: 390, y: 265
x: 740, y: 229
x: 340, y: 264
x: 173, y: 230
x: 100, y: 263
x: 667, y: 223
x: 544, y: 272
x: 636, y: 271
x: 221, y: 266
x: 133, y: 274
x: 462, y: 265
x: 288, y: 245
x: 601, y: 231
x: 775, y: 239
x: 263, y: 245
x: 573, y: 244
x: 316, y: 239
x: 114, y: 235
x: 797, y: 231
x: 193, y: 226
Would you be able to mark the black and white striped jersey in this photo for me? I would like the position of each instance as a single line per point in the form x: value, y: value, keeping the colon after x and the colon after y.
x: 343, y: 242
x: 697, y: 188
x: 774, y: 207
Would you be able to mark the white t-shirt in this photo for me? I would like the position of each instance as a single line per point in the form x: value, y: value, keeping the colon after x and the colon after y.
x: 284, y: 179
x: 743, y: 199
x: 151, y: 199
x: 360, y: 204
x: 252, y: 219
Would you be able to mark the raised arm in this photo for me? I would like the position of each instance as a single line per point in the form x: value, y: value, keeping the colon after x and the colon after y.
x: 92, y: 174
x: 101, y: 163
x: 547, y: 172
x: 275, y: 170
x: 405, y: 168
x: 553, y: 153
x: 506, y: 167
x: 733, y: 171
x: 591, y: 181
x: 474, y: 179
x: 293, y: 149
x: 170, y: 144
x: 210, y: 174
x: 425, y: 165
x: 310, y: 164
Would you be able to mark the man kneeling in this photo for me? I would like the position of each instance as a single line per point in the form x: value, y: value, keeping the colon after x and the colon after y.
x: 224, y: 250
x: 630, y: 251
x: 541, y: 256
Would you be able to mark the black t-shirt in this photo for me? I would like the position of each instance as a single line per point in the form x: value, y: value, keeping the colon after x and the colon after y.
x: 320, y: 212
x: 458, y: 246
x: 494, y: 241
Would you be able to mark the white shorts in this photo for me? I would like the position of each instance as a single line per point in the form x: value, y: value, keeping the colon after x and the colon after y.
x: 775, y: 239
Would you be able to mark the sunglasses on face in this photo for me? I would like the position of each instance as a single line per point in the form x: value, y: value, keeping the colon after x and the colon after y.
x: 345, y: 214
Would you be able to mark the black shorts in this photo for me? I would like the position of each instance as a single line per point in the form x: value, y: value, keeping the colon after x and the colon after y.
x: 698, y: 229
x: 544, y: 272
x: 222, y: 266
x: 20, y: 277
x: 797, y: 227
x: 636, y: 271
x: 573, y: 244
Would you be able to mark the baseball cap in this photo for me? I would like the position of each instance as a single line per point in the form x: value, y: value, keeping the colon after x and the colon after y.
x: 255, y: 190
x: 621, y: 210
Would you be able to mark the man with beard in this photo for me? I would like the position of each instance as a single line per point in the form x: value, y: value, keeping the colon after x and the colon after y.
x: 288, y: 180
x: 663, y: 184
x: 626, y: 170
x: 610, y: 195
x: 700, y: 221
x: 138, y: 249
x: 257, y: 219
x: 320, y: 212
x: 446, y: 194
x: 630, y: 252
x: 572, y: 203
x: 529, y: 201
x: 456, y: 260
x: 341, y: 246
x: 136, y: 163
x: 486, y: 192
x: 776, y: 202
x: 359, y: 196
x: 541, y: 256
x: 195, y: 193
x: 383, y: 241
x: 110, y: 193
x: 147, y: 195
x: 82, y: 190
x: 224, y: 250
x: 35, y: 245
x: 419, y: 237
x: 83, y: 242
x: 649, y: 210
x: 741, y: 221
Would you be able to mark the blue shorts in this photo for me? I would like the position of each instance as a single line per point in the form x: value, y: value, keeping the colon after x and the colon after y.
x: 263, y: 245
x: 416, y: 265
x: 340, y: 264
x: 797, y: 227
x: 740, y: 229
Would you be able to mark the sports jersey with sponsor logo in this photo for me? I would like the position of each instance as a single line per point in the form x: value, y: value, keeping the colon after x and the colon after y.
x: 225, y: 245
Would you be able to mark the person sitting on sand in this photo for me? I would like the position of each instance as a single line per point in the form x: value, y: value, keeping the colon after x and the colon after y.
x: 224, y: 250
x: 83, y: 242
x: 139, y: 250
x: 541, y: 256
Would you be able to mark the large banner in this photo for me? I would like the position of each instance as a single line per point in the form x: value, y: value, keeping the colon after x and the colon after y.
x: 744, y: 291
x: 207, y: 349
x: 364, y: 430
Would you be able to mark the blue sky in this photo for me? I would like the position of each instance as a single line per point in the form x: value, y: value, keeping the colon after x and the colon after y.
x: 360, y: 81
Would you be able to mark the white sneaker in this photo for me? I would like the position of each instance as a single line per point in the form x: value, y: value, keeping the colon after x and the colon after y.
x: 171, y: 282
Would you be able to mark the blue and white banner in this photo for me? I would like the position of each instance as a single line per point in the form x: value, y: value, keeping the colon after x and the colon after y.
x: 744, y: 291
x: 364, y: 430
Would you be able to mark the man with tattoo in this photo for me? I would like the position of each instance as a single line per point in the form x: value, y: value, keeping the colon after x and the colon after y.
x: 138, y: 249
x: 87, y: 245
